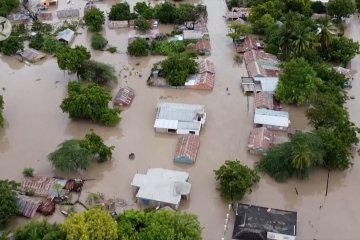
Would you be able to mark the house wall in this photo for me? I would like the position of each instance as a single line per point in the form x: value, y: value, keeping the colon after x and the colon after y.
x: 187, y: 131
x: 276, y: 128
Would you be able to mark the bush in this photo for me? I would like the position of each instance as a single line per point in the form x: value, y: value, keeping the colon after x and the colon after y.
x: 112, y: 49
x: 142, y: 24
x: 11, y: 45
x: 40, y: 27
x: 139, y: 47
x: 97, y: 72
x: 7, y: 6
x: 94, y: 19
x: 39, y: 230
x: 98, y: 41
x: 163, y: 47
x: 51, y: 45
x: 28, y: 172
x: 177, y: 67
x: 37, y: 41
x: 120, y: 12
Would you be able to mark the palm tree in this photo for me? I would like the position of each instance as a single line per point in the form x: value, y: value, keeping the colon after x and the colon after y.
x: 325, y: 32
x: 287, y: 30
x: 303, y: 40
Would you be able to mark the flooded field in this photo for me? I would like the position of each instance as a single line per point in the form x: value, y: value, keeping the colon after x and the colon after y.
x: 35, y: 125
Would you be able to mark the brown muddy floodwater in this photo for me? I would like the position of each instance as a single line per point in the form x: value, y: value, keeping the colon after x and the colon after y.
x: 35, y: 125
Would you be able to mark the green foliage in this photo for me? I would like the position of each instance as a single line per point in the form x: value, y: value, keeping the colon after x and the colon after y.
x: 89, y: 103
x: 185, y: 13
x: 327, y: 30
x: 98, y: 41
x: 111, y: 49
x: 37, y: 41
x: 238, y: 30
x: 71, y: 58
x: 70, y: 156
x: 235, y: 179
x: 318, y: 7
x: 35, y: 230
x: 232, y: 3
x: 139, y: 47
x: 297, y: 82
x: 166, y: 12
x: 120, y: 12
x: 163, y: 47
x: 11, y: 45
x: 39, y: 27
x: 262, y: 25
x: 96, y: 146
x: 144, y: 10
x: 73, y: 25
x: 342, y: 50
x: 7, y: 6
x: 300, y: 156
x: 341, y: 8
x: 142, y: 24
x: 19, y: 30
x: 177, y: 67
x: 94, y: 19
x: 2, y: 120
x: 51, y: 45
x: 93, y: 224
x: 28, y: 172
x: 8, y: 201
x: 97, y: 72
x: 159, y: 225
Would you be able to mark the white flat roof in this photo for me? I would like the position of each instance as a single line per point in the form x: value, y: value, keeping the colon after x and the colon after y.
x: 162, y: 185
x: 178, y: 111
x: 164, y: 123
x: 271, y: 117
x: 268, y: 84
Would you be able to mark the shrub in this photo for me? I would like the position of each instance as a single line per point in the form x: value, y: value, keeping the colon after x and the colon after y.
x: 37, y: 41
x: 139, y: 47
x: 98, y: 41
x: 11, y: 45
x: 177, y: 67
x: 28, y: 172
x: 94, y: 19
x: 111, y: 49
x: 97, y: 72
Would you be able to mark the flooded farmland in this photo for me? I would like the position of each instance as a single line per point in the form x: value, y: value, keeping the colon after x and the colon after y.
x: 35, y: 125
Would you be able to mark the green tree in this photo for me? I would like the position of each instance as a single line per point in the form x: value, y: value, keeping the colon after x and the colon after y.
x: 71, y: 58
x: 299, y: 6
x: 238, y: 30
x: 138, y: 47
x: 89, y: 103
x: 341, y: 8
x: 162, y: 224
x: 94, y: 19
x: 166, y: 12
x: 96, y: 72
x: 8, y: 201
x: 185, y: 13
x: 120, y: 12
x: 177, y: 67
x: 297, y: 82
x: 51, y: 45
x: 326, y: 32
x: 142, y: 24
x: 28, y: 172
x: 11, y: 45
x: 7, y: 6
x: 304, y: 40
x: 35, y: 230
x: 96, y: 146
x: 235, y: 179
x: 318, y: 7
x: 98, y: 42
x: 37, y: 41
x: 93, y: 224
x: 2, y: 120
x: 70, y: 156
x: 342, y: 50
x: 261, y: 25
x: 144, y: 10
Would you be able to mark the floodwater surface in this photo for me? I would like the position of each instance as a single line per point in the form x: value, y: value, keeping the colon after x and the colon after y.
x: 35, y: 125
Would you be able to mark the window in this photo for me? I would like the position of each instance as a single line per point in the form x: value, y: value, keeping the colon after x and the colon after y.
x: 171, y: 130
x: 192, y: 132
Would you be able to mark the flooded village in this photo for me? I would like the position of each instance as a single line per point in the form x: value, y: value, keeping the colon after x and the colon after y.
x: 224, y: 111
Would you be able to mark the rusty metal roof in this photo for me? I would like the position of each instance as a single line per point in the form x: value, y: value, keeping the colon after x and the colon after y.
x: 187, y: 147
x: 124, y: 97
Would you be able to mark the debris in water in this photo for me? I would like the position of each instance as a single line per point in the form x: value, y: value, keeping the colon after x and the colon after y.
x: 352, y: 97
x: 38, y: 79
x: 140, y: 75
x: 130, y: 73
x: 229, y: 94
x: 3, y: 89
x: 227, y: 89
x: 125, y: 76
x: 137, y: 64
x: 57, y: 82
x: 296, y: 191
x: 132, y: 156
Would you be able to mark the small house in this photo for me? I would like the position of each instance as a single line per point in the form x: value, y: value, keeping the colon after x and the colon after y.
x: 205, y: 65
x: 203, y: 47
x: 66, y: 36
x: 260, y: 140
x: 179, y: 118
x: 246, y: 44
x: 205, y: 79
x: 187, y: 149
x: 264, y: 100
x: 237, y: 13
x: 275, y: 120
x: 124, y: 97
x: 31, y: 55
x: 27, y: 205
x: 118, y: 24
x: 261, y: 64
x: 268, y: 84
x: 42, y: 186
x: 254, y: 222
x: 161, y: 187
x: 192, y: 34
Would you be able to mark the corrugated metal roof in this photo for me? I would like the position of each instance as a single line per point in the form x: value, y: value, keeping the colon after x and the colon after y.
x: 189, y: 125
x: 187, y: 146
x: 165, y: 123
x: 178, y: 111
x: 66, y: 35
x: 268, y: 84
x: 271, y: 117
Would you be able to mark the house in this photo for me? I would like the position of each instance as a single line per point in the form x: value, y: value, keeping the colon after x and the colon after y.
x: 66, y: 36
x: 237, y: 13
x: 264, y: 100
x: 192, y: 34
x: 248, y: 85
x: 246, y: 44
x: 276, y: 120
x: 205, y: 79
x: 260, y: 140
x: 179, y: 118
x: 268, y: 84
x: 253, y: 222
x: 148, y: 36
x: 68, y: 13
x: 205, y: 65
x: 31, y: 55
x: 28, y: 206
x: 124, y: 97
x: 118, y: 24
x: 161, y: 187
x: 347, y: 74
x: 261, y: 64
x: 187, y: 149
x: 41, y: 186
x: 203, y: 46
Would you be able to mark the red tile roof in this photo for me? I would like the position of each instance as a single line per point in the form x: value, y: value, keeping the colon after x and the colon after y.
x: 261, y: 64
x: 255, y: 55
x: 205, y: 65
x: 260, y: 139
x: 203, y: 45
x: 206, y: 81
x: 264, y: 100
x: 124, y: 97
x: 188, y: 146
x: 247, y: 44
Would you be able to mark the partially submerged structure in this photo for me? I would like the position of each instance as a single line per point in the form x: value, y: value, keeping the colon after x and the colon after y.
x: 118, y: 24
x: 261, y: 64
x: 260, y: 140
x: 246, y: 44
x: 31, y: 55
x: 187, y: 149
x: 148, y: 36
x: 161, y: 187
x: 203, y: 46
x: 259, y: 84
x: 66, y: 36
x: 237, y: 13
x: 179, y: 118
x: 260, y: 223
x: 68, y: 13
x: 347, y: 73
x: 276, y: 120
x: 264, y: 100
x: 205, y: 79
x: 193, y: 34
x: 124, y: 97
x: 28, y: 206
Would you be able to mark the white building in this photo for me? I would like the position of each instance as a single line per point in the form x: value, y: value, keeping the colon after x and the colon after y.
x: 161, y: 187
x: 277, y: 120
x: 66, y: 36
x: 179, y: 118
x: 268, y: 84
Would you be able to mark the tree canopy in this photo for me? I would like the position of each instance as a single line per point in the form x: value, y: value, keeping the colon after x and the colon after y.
x: 158, y: 225
x: 35, y: 230
x: 144, y: 10
x: 94, y: 19
x: 238, y: 30
x: 177, y: 67
x: 139, y: 47
x: 341, y: 8
x: 98, y: 42
x: 97, y: 72
x: 7, y: 6
x: 235, y: 179
x: 11, y: 45
x: 8, y: 201
x: 341, y: 50
x: 166, y: 12
x: 96, y: 146
x: 71, y: 58
x: 142, y: 24
x: 93, y: 224
x: 297, y: 82
x: 120, y: 12
x: 89, y: 103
